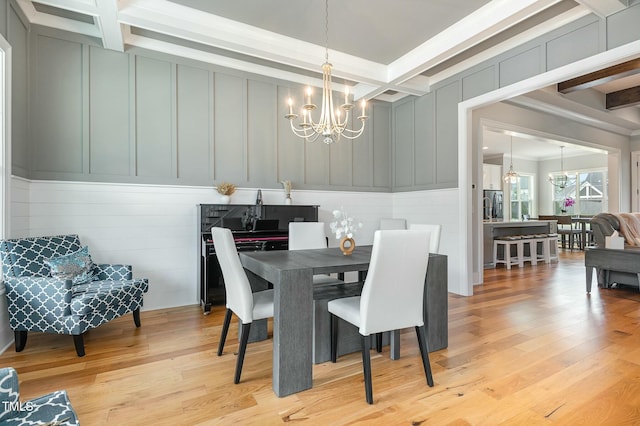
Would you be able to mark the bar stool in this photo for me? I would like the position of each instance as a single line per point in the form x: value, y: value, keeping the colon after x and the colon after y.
x: 530, y: 241
x: 507, y: 242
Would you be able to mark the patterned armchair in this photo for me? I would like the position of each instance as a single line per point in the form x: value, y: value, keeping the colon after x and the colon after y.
x: 61, y: 303
x: 53, y: 408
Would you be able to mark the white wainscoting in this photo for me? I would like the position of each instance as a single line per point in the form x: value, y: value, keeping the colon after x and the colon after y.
x: 436, y: 207
x: 153, y: 227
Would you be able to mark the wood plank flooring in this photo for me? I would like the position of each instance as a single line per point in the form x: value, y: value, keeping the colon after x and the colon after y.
x: 529, y: 348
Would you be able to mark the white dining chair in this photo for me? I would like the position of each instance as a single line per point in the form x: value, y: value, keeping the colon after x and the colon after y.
x: 393, y: 223
x: 392, y: 296
x: 435, y: 231
x: 241, y: 301
x: 310, y: 235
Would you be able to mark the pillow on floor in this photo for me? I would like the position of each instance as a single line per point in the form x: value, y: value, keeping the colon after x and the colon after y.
x: 77, y: 266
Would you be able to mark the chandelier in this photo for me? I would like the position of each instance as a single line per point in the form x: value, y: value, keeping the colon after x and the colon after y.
x: 332, y: 123
x: 559, y: 181
x: 511, y: 176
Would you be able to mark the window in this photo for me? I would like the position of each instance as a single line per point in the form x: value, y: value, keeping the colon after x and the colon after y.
x: 585, y: 194
x: 521, y: 197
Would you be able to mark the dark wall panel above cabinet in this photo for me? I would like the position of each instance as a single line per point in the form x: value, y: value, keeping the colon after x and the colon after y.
x: 109, y: 112
x: 154, y: 118
x: 230, y: 129
x: 57, y: 107
x: 195, y: 115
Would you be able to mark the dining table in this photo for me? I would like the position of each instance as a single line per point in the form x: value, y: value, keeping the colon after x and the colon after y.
x: 291, y: 274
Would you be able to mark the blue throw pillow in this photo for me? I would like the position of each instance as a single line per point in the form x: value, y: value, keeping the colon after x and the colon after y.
x: 77, y: 266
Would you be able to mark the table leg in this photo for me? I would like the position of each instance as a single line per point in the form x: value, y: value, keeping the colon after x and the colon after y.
x: 292, y: 332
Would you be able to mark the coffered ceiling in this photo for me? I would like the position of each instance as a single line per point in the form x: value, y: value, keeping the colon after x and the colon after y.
x: 382, y: 49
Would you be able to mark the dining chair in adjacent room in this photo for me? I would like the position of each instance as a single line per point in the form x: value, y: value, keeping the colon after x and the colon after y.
x: 241, y: 301
x: 567, y: 231
x: 310, y: 235
x: 435, y: 231
x: 393, y: 223
x: 392, y: 296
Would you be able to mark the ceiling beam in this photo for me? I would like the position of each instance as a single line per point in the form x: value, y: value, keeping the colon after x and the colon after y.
x: 623, y: 98
x: 596, y: 78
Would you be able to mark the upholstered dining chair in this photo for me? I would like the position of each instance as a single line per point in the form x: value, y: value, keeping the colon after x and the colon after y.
x: 392, y: 296
x: 435, y: 231
x: 310, y: 235
x: 241, y: 301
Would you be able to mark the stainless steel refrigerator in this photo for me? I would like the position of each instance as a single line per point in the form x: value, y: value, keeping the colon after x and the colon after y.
x: 492, y: 203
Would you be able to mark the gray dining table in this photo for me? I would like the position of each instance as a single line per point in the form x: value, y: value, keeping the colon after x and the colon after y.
x: 291, y: 273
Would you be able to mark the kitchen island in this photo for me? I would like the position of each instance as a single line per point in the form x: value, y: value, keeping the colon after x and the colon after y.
x: 499, y: 229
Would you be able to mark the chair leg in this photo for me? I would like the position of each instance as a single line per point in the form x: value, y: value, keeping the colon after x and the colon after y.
x: 366, y: 364
x: 78, y: 341
x: 136, y: 317
x: 20, y: 337
x: 244, y: 338
x: 378, y: 342
x: 225, y: 330
x: 334, y: 338
x: 424, y: 351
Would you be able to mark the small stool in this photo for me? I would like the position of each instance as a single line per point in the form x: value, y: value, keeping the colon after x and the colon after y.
x: 529, y: 240
x: 553, y: 246
x: 507, y: 242
x: 542, y: 247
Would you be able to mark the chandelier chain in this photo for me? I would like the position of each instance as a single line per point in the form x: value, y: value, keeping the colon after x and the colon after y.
x: 326, y: 31
x: 333, y: 122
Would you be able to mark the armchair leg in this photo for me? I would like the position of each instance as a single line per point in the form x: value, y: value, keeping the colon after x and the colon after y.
x: 424, y: 351
x: 20, y: 337
x: 78, y: 341
x: 136, y: 317
x: 225, y: 330
x: 378, y: 342
x: 366, y: 364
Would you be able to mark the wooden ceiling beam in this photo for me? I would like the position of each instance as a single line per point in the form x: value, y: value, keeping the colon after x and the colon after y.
x: 600, y: 77
x: 623, y: 98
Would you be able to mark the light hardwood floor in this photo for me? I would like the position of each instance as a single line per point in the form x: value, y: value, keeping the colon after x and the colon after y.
x: 529, y: 348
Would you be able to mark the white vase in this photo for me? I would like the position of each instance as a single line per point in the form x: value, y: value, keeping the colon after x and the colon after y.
x: 225, y: 199
x: 288, y: 201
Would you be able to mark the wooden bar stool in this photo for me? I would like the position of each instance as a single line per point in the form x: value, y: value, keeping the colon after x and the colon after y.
x: 507, y: 242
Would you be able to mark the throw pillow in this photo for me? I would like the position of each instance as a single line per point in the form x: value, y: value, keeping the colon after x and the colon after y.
x: 77, y: 266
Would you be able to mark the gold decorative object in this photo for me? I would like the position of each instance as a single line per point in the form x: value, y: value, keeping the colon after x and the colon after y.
x: 347, y: 245
x: 226, y: 188
x: 345, y: 227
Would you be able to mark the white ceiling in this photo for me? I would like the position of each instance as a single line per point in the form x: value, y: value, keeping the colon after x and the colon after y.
x: 383, y: 49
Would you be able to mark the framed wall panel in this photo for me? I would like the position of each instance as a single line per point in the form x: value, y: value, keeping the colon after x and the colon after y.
x: 154, y: 118
x: 109, y: 112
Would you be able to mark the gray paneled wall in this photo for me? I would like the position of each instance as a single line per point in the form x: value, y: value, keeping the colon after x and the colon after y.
x: 88, y: 114
x: 145, y: 117
x: 425, y: 142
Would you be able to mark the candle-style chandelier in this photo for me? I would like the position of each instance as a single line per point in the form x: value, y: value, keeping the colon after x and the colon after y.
x: 333, y: 122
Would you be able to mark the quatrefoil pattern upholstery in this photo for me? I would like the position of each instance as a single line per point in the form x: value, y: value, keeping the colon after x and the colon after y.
x: 47, y: 409
x: 39, y: 302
